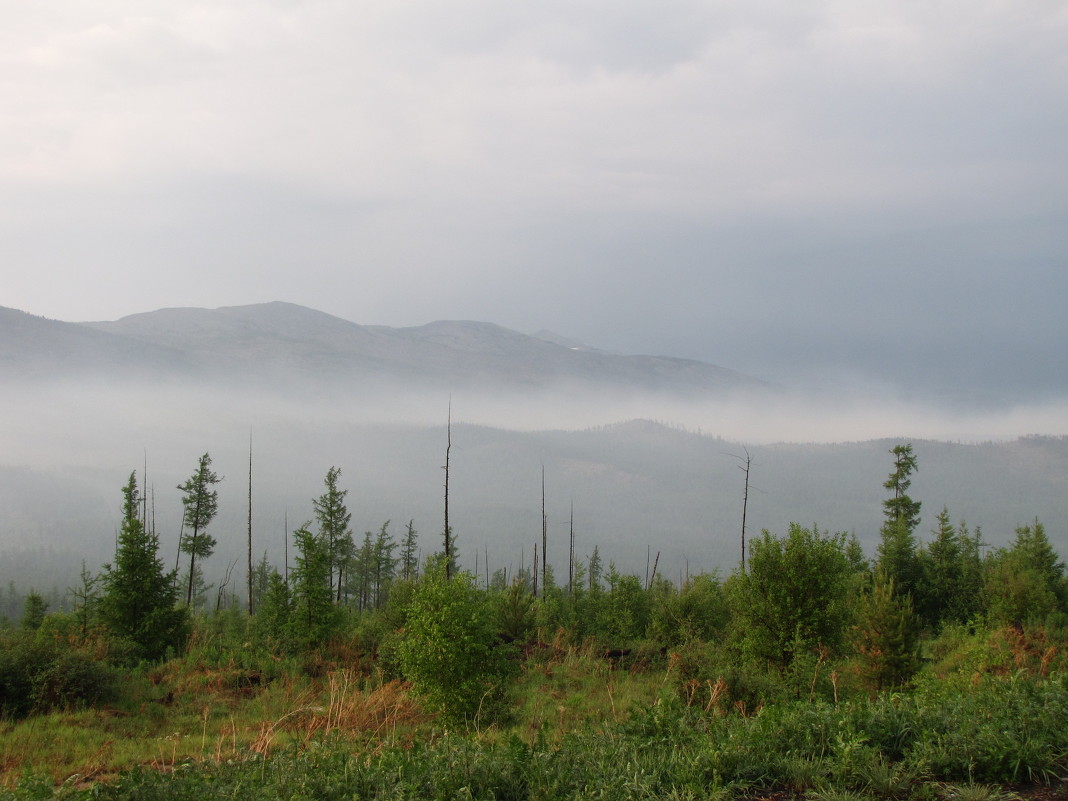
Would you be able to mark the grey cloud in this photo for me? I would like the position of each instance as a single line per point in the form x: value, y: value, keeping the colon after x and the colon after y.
x: 784, y: 188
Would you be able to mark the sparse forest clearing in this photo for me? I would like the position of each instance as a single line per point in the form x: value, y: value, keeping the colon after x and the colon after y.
x: 927, y: 671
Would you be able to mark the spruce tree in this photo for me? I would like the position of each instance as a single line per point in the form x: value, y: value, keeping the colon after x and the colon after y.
x: 274, y: 614
x: 334, y: 517
x: 138, y: 601
x: 409, y: 558
x: 34, y: 610
x: 941, y: 566
x: 315, y: 617
x: 886, y: 636
x: 86, y: 599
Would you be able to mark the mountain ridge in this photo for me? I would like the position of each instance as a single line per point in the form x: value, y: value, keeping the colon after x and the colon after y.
x: 262, y: 342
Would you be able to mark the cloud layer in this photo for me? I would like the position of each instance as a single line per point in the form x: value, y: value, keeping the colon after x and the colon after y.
x: 813, y: 191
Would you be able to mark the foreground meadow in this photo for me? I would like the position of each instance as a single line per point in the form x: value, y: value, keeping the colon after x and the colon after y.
x: 985, y: 719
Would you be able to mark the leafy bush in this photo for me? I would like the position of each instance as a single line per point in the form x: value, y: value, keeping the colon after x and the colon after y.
x: 698, y: 611
x: 22, y: 659
x: 74, y: 678
x: 450, y: 651
x: 38, y: 675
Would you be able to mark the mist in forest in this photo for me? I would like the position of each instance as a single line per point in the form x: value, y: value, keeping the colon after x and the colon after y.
x: 644, y: 475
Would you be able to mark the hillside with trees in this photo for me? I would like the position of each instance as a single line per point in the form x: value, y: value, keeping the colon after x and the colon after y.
x: 932, y: 665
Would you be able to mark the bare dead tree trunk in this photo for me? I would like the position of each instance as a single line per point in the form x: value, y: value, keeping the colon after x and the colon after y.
x: 652, y: 576
x: 535, y: 570
x: 144, y: 498
x: 571, y: 554
x: 544, y: 536
x: 250, y: 522
x: 222, y: 587
x: 745, y: 502
x: 448, y: 531
x: 193, y: 551
x: 178, y: 556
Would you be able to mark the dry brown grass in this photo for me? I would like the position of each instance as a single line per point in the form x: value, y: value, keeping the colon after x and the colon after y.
x: 379, y: 712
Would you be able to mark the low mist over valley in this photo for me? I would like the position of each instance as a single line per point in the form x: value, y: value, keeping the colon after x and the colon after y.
x: 643, y: 451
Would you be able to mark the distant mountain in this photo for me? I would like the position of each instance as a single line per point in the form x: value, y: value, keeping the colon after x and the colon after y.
x: 281, y: 341
x: 35, y: 347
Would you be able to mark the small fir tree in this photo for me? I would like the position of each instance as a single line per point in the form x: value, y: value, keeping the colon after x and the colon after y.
x: 138, y: 601
x: 273, y: 622
x: 886, y: 636
x: 409, y: 556
x: 86, y: 599
x: 333, y: 516
x: 34, y: 609
x: 315, y: 616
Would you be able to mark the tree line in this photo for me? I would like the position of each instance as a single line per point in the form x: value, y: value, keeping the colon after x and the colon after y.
x: 800, y: 601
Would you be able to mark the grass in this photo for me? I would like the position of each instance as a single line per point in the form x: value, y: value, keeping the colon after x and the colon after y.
x: 192, y: 711
x: 579, y: 727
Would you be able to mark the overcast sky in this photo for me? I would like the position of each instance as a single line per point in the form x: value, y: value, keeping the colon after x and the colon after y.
x: 792, y: 189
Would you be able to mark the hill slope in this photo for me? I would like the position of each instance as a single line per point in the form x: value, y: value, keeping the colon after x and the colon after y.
x: 273, y: 340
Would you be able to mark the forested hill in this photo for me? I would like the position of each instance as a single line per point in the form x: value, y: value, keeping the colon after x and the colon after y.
x: 635, y: 488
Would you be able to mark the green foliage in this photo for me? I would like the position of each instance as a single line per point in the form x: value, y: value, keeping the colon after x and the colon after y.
x: 272, y: 622
x: 624, y: 614
x: 138, y: 600
x: 951, y: 587
x: 314, y: 617
x: 714, y: 678
x: 450, y: 651
x: 75, y: 678
x: 514, y: 613
x: 33, y: 611
x: 37, y: 675
x: 334, y: 517
x: 699, y: 611
x: 1026, y: 582
x: 261, y: 580
x: 409, y: 556
x: 200, y: 503
x: 793, y: 597
x: 897, y: 555
x: 384, y: 566
x: 86, y: 599
x: 899, y: 507
x: 886, y: 636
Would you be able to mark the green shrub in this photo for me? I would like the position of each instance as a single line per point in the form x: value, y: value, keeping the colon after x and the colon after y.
x: 37, y: 675
x: 717, y: 679
x: 74, y: 678
x: 22, y: 659
x: 450, y: 651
